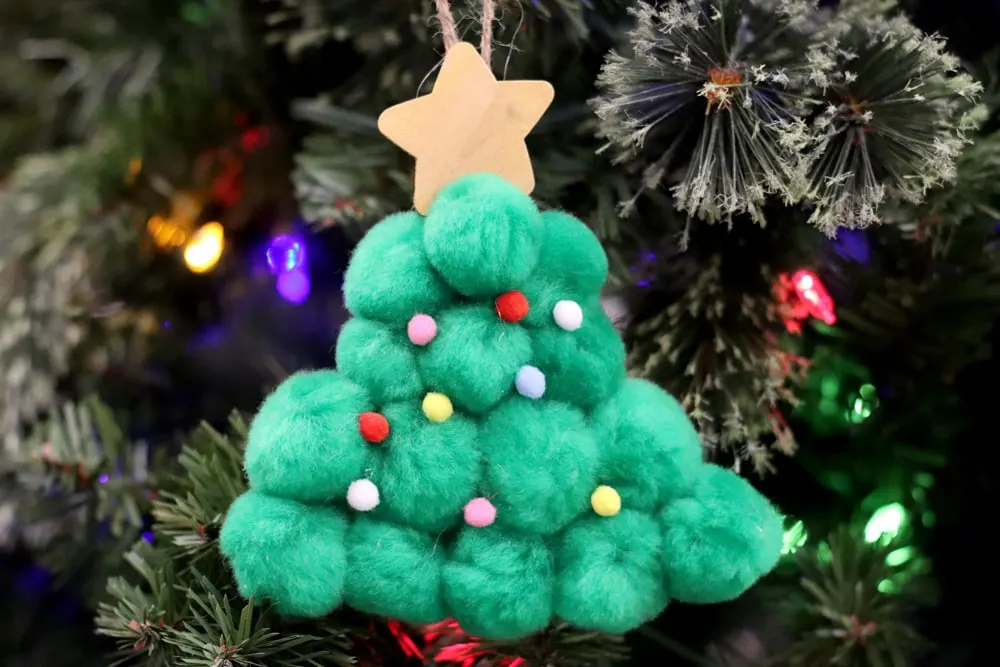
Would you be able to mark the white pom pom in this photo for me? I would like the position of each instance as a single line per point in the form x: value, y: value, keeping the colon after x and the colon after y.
x: 568, y: 315
x: 362, y: 495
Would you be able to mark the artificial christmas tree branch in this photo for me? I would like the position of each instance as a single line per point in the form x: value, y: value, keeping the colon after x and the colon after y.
x: 851, y: 610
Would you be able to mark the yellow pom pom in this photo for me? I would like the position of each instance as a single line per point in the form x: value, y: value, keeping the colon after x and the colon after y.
x: 437, y: 407
x: 606, y: 501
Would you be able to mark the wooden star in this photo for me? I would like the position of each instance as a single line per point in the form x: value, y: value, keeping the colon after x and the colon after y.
x: 469, y: 123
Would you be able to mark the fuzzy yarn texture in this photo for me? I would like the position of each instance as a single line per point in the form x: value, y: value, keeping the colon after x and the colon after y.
x: 484, y: 457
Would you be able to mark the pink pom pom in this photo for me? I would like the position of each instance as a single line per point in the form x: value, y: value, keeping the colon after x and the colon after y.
x: 421, y: 329
x: 480, y: 513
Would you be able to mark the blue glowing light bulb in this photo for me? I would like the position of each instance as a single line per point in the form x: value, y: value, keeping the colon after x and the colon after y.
x: 285, y: 253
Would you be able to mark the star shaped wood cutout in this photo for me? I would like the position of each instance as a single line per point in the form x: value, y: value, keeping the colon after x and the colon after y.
x: 469, y: 123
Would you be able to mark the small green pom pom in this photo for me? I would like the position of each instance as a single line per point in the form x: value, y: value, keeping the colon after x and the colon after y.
x: 389, y: 278
x: 650, y: 452
x: 572, y: 255
x: 474, y: 357
x: 394, y: 571
x: 499, y: 585
x: 571, y: 265
x: 286, y: 551
x: 483, y: 235
x: 608, y: 574
x: 582, y: 367
x: 426, y: 471
x: 718, y: 542
x: 541, y: 462
x: 380, y: 360
x: 304, y: 442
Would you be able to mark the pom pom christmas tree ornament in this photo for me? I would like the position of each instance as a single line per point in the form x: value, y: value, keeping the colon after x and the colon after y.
x: 480, y: 454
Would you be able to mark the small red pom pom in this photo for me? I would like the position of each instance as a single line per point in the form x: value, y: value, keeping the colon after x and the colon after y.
x: 512, y: 306
x: 374, y: 427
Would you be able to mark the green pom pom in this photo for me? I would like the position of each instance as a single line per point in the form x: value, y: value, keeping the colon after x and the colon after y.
x: 718, y: 542
x: 572, y: 255
x: 499, y: 585
x: 474, y: 357
x: 541, y: 464
x: 608, y: 574
x: 571, y: 265
x: 650, y: 452
x: 380, y: 360
x: 426, y: 471
x: 304, y: 442
x: 389, y: 278
x: 483, y: 235
x: 582, y: 367
x: 394, y: 571
x: 286, y: 551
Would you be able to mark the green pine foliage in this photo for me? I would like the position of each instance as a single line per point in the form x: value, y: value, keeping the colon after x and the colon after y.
x: 849, y: 610
x: 176, y: 601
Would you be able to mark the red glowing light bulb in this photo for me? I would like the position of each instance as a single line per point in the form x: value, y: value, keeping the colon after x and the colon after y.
x: 811, y: 290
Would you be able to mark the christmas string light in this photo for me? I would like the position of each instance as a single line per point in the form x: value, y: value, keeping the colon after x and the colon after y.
x: 166, y: 233
x: 463, y: 650
x: 812, y: 291
x: 800, y: 297
x: 203, y: 251
x: 285, y: 253
x: 794, y: 538
x: 863, y: 404
x: 175, y: 229
x: 287, y: 258
x: 886, y: 522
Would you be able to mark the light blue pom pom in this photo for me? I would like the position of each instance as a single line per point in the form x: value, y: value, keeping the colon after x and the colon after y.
x: 530, y: 382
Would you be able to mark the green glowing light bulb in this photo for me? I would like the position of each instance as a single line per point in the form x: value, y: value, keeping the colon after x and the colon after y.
x: 794, y: 538
x: 887, y: 520
x: 863, y: 404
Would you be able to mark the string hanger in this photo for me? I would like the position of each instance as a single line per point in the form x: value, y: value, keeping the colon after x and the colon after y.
x: 449, y: 28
